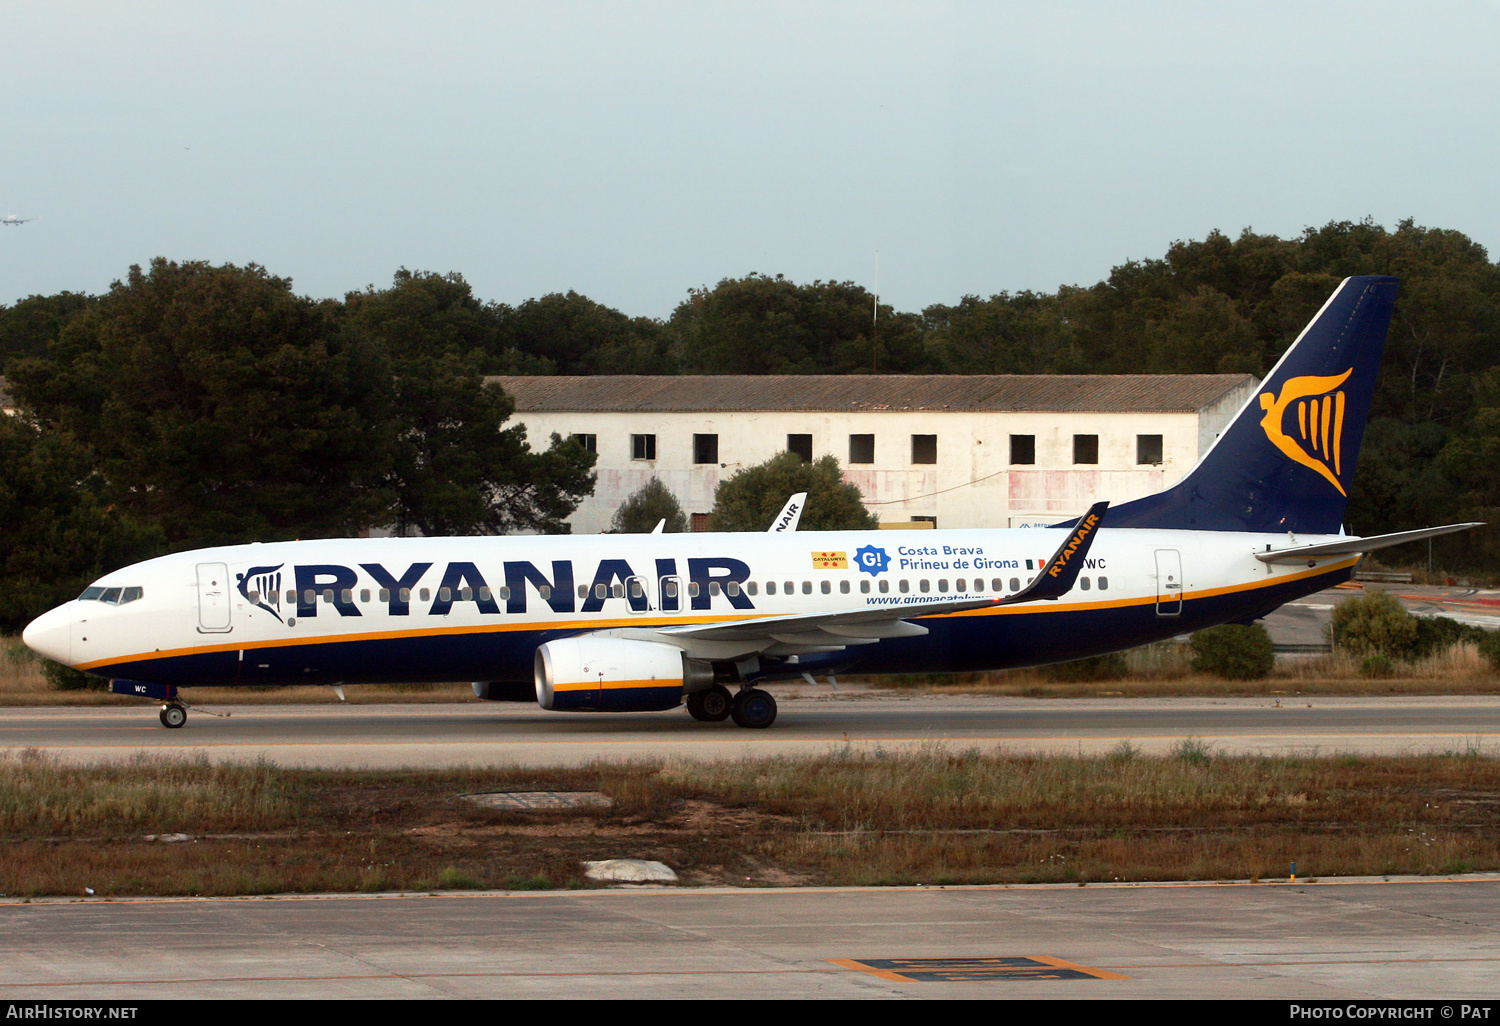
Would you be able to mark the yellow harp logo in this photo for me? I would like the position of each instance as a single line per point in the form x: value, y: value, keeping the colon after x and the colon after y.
x: 1319, y: 406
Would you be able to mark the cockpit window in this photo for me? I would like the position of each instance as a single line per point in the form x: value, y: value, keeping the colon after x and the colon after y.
x: 114, y: 596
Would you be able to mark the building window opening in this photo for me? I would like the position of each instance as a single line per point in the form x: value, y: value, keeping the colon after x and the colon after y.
x: 643, y: 447
x: 1148, y: 449
x: 861, y: 448
x: 1023, y: 449
x: 801, y: 445
x: 924, y: 448
x: 1085, y: 449
x: 705, y: 448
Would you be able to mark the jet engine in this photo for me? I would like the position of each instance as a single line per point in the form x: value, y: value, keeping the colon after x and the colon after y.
x: 591, y: 673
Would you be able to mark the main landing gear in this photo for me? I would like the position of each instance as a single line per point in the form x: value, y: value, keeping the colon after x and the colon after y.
x: 173, y: 715
x: 711, y: 705
x: 750, y: 707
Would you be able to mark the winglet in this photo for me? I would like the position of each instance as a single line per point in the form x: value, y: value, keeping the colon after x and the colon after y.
x: 1058, y: 574
x: 787, y: 519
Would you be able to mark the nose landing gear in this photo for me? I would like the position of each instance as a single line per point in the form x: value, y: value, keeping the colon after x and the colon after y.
x: 173, y: 715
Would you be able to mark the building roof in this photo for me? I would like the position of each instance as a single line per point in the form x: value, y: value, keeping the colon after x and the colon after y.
x: 872, y: 393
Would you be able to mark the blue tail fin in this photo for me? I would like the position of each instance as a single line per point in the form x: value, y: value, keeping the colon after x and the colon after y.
x: 1285, y: 462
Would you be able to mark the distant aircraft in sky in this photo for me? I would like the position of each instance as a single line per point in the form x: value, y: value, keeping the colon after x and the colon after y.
x: 13, y: 219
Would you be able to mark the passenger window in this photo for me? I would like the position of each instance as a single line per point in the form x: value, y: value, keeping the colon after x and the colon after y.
x: 843, y: 587
x: 752, y: 588
x: 904, y: 585
x: 807, y: 587
x: 445, y: 594
x: 692, y: 589
x: 770, y: 587
x: 978, y: 584
x: 713, y: 588
x: 364, y: 594
x: 346, y: 596
x: 732, y: 588
x: 923, y: 585
x: 583, y: 591
x: 617, y: 590
x: 485, y: 594
x: 791, y: 588
x: 942, y: 584
x: 671, y: 589
x: 254, y: 597
x: 505, y: 593
x: 864, y: 587
x: 425, y: 594
x: 1083, y: 583
x: 328, y: 596
x: 958, y: 585
x: 405, y: 595
x: 545, y: 591
x: 1103, y: 583
x: 291, y: 597
x: 385, y: 595
x: 885, y: 586
x: 1015, y: 584
x: 309, y: 596
x: 636, y: 591
x: 826, y: 587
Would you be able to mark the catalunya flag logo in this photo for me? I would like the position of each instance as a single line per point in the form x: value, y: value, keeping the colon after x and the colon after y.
x: 1315, y: 437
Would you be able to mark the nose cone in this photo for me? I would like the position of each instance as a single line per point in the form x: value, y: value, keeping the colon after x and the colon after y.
x: 51, y: 634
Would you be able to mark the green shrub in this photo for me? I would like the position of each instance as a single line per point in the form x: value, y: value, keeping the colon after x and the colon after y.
x: 1234, y: 652
x: 1489, y: 647
x: 1110, y: 666
x: 1436, y: 633
x: 65, y: 678
x: 1377, y: 666
x: 1374, y: 623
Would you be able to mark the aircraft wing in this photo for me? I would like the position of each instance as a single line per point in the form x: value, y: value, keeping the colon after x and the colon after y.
x: 1349, y: 546
x: 800, y: 633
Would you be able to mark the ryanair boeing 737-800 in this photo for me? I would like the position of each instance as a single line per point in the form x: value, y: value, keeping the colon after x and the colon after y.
x: 650, y: 622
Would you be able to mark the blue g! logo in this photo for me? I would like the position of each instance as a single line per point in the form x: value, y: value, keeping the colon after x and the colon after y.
x: 871, y: 560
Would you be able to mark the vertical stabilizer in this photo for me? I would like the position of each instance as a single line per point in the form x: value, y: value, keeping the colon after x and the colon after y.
x: 1286, y: 460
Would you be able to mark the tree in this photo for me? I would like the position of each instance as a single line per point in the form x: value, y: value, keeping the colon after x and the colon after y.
x: 575, y: 335
x: 750, y: 500
x: 652, y: 503
x: 218, y: 405
x: 59, y: 532
x: 455, y: 468
x: 763, y: 325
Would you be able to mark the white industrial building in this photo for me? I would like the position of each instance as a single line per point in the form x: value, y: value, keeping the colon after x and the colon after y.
x: 945, y: 450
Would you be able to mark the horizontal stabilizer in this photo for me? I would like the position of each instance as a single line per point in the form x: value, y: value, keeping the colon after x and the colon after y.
x: 1349, y: 546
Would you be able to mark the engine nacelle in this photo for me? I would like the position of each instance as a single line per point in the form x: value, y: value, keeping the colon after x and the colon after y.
x: 613, y: 674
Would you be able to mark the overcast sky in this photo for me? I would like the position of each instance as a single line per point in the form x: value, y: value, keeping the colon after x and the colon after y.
x: 634, y: 150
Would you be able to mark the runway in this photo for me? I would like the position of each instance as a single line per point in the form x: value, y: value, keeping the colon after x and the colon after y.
x: 1432, y: 941
x: 812, y: 721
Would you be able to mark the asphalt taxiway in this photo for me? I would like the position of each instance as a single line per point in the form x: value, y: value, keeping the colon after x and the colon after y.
x: 812, y: 722
x: 1429, y: 941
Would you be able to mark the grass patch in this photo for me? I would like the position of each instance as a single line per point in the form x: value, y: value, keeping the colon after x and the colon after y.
x: 844, y: 818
